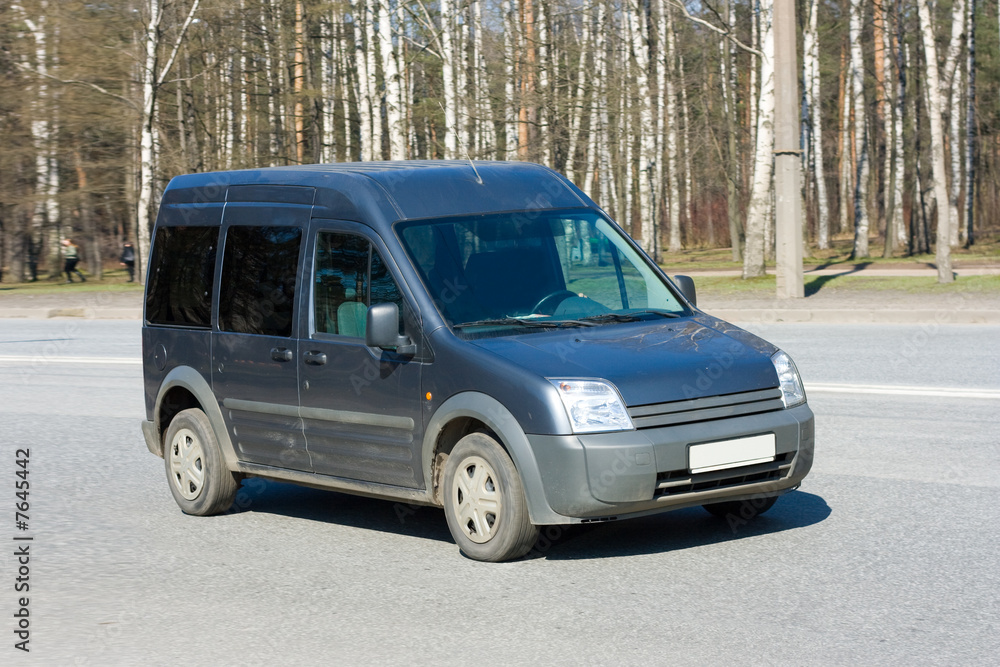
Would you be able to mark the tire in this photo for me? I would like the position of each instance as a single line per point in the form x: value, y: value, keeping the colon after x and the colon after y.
x: 484, y: 501
x: 748, y: 509
x: 196, y: 472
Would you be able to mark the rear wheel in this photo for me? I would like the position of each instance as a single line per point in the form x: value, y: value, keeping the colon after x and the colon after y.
x: 748, y: 509
x: 484, y: 501
x: 196, y: 472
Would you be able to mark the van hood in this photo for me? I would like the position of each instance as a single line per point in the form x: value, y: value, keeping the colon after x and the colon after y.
x: 649, y: 362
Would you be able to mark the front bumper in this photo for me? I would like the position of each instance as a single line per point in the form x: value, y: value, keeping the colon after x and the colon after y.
x: 614, y: 475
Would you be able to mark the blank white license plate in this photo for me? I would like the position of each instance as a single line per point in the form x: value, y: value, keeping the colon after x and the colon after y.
x: 731, y: 453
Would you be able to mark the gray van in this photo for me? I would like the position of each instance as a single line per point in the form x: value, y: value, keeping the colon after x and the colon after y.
x: 474, y: 336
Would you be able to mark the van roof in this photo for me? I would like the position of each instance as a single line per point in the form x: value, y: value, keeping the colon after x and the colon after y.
x: 383, y: 192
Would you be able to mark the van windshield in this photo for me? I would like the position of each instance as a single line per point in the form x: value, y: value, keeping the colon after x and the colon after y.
x: 535, y: 270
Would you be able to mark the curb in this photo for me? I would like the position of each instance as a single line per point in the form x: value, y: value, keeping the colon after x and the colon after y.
x: 841, y: 316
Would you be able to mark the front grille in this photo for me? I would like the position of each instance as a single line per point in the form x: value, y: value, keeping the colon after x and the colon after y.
x: 706, y: 409
x: 677, y: 482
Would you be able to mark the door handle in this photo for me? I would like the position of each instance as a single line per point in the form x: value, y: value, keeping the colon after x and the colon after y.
x: 315, y: 358
x: 281, y: 354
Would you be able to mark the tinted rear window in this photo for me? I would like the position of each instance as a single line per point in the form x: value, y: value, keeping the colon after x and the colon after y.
x: 257, y: 294
x: 181, y: 276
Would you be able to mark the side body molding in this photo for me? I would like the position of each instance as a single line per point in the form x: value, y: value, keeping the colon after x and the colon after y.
x: 190, y: 379
x: 499, y: 419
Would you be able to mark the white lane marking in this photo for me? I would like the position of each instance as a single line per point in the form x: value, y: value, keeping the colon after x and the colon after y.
x: 55, y: 359
x: 893, y: 390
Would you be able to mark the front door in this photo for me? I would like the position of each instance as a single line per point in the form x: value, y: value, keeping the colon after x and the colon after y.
x: 254, y: 346
x: 360, y: 406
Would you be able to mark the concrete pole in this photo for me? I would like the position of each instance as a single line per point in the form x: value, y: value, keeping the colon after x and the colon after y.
x: 787, y: 155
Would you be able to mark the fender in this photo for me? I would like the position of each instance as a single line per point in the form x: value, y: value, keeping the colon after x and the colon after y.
x: 491, y: 412
x: 190, y: 379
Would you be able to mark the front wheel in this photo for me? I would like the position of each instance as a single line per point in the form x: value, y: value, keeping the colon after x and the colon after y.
x: 484, y: 501
x: 196, y: 472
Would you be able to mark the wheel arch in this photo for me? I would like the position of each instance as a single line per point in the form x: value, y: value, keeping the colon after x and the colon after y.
x: 184, y: 388
x: 471, y: 411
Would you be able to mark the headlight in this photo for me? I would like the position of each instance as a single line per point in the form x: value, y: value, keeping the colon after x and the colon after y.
x: 593, y: 406
x: 792, y: 393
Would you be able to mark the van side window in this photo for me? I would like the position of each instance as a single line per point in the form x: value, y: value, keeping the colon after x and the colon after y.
x: 257, y: 292
x: 182, y: 276
x: 349, y: 276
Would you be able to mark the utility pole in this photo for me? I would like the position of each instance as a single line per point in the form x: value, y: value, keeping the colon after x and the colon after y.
x: 787, y: 152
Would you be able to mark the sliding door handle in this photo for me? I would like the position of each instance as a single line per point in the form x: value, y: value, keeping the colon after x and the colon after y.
x: 281, y: 354
x: 315, y: 358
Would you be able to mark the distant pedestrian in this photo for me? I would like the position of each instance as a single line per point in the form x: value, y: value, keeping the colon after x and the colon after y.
x: 72, y: 255
x: 128, y: 260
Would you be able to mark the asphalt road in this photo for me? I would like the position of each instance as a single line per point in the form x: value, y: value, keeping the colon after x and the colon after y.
x: 886, y: 555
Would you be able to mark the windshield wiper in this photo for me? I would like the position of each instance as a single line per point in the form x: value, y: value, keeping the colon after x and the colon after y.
x: 632, y: 316
x: 525, y: 322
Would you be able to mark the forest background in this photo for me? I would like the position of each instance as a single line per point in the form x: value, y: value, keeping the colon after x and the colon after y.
x: 661, y: 110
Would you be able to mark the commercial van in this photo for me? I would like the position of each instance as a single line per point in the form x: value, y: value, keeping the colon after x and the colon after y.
x: 477, y: 336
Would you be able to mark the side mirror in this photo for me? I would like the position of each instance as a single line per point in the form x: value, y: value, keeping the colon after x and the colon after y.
x: 686, y: 285
x: 382, y: 329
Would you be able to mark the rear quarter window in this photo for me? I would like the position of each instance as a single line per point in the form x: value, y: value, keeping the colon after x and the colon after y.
x: 181, y: 276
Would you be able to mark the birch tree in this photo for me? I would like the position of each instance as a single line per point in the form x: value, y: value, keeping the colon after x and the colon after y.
x: 970, y: 128
x: 939, y: 176
x: 393, y: 85
x: 646, y: 129
x: 763, y: 165
x: 448, y: 82
x: 860, y: 134
x: 152, y: 76
x: 45, y: 216
x: 952, y: 84
x: 670, y: 129
x: 810, y: 59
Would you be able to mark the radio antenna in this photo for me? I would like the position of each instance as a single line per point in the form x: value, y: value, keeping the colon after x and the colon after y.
x: 479, y: 179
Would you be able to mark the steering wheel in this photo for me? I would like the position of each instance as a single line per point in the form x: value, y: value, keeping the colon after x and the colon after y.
x: 548, y: 304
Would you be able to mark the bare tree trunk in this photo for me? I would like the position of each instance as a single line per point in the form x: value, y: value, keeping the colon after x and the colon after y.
x: 951, y: 90
x: 299, y: 83
x: 732, y: 162
x: 860, y: 134
x: 845, y: 145
x: 328, y: 90
x: 544, y: 111
x: 943, y: 252
x: 527, y: 109
x: 448, y: 81
x: 576, y: 101
x: 45, y: 216
x: 894, y: 147
x: 970, y: 129
x: 673, y: 187
x: 686, y: 199
x: 365, y: 79
x: 151, y: 82
x: 760, y: 194
x: 393, y: 92
x: 372, y: 142
x: 646, y: 129
x: 510, y: 50
x: 93, y: 243
x: 810, y: 58
x: 485, y: 131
